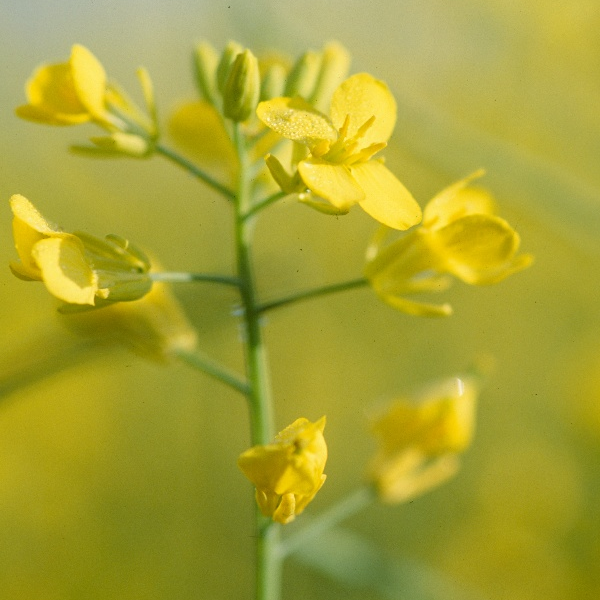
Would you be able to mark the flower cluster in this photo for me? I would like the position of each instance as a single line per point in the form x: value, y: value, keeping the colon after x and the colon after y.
x: 289, y: 472
x: 421, y: 439
x: 460, y: 236
x: 77, y: 268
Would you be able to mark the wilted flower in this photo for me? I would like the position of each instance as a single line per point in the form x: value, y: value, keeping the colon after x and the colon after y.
x: 340, y: 167
x: 459, y: 236
x: 76, y: 267
x: 419, y: 441
x: 289, y: 472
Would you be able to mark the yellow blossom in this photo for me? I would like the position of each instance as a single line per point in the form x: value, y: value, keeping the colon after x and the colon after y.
x: 76, y: 267
x: 459, y: 236
x: 340, y: 167
x: 77, y: 91
x: 288, y: 472
x: 420, y: 440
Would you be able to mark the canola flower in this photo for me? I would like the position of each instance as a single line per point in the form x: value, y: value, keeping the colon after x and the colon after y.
x: 287, y: 473
x: 76, y: 268
x: 460, y: 236
x: 340, y: 167
x: 420, y: 439
x: 77, y: 91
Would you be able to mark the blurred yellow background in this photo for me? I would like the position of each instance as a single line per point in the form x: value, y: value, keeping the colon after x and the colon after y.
x: 118, y: 476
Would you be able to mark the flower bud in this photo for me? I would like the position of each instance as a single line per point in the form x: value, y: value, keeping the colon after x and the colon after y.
x: 226, y: 63
x: 334, y: 69
x: 303, y: 76
x: 273, y: 82
x: 206, y: 61
x: 242, y: 88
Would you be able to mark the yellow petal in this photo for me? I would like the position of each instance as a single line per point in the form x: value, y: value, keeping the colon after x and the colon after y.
x: 52, y: 97
x: 64, y: 270
x: 333, y: 182
x: 386, y: 199
x: 198, y: 129
x: 456, y: 201
x: 361, y: 97
x: 480, y: 249
x: 295, y: 119
x: 415, y: 308
x: 89, y: 80
x: 29, y: 227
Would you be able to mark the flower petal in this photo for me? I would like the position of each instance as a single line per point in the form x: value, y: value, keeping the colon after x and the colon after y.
x: 332, y: 182
x: 89, y: 80
x: 198, y: 129
x: 386, y: 199
x: 415, y: 308
x: 361, y: 97
x: 29, y: 227
x: 64, y: 270
x: 457, y: 201
x: 480, y: 249
x: 295, y: 119
x: 52, y: 97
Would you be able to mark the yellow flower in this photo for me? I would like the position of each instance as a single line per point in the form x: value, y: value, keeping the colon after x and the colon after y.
x: 68, y: 93
x: 76, y: 267
x: 459, y: 236
x: 289, y: 472
x: 77, y: 91
x: 420, y: 440
x: 340, y: 167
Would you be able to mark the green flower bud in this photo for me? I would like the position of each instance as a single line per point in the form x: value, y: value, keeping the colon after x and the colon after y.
x: 303, y: 76
x: 334, y: 69
x: 242, y: 88
x: 273, y: 82
x: 206, y: 61
x: 226, y: 63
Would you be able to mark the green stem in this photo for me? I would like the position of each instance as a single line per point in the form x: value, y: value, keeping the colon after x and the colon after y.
x: 339, y: 512
x: 264, y: 203
x: 314, y: 293
x: 207, y: 365
x: 173, y: 277
x: 268, y: 567
x: 191, y: 168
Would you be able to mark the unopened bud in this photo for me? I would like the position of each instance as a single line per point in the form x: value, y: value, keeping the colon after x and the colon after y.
x: 334, y: 69
x: 226, y: 63
x: 273, y: 82
x: 303, y: 76
x: 206, y: 61
x: 242, y: 88
x: 124, y: 143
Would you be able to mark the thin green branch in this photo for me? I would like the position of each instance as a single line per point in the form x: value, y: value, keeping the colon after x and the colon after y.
x: 194, y: 170
x: 174, y: 277
x: 355, y: 502
x: 264, y: 203
x: 314, y: 293
x: 209, y: 366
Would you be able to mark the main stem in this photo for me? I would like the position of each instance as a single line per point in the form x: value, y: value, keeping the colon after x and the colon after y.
x: 268, y: 567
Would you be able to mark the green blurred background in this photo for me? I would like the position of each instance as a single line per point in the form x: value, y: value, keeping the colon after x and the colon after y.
x: 118, y: 476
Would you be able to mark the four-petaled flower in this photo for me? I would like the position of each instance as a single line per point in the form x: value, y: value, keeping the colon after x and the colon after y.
x: 421, y: 440
x: 289, y: 472
x: 459, y: 236
x: 76, y: 267
x: 340, y: 167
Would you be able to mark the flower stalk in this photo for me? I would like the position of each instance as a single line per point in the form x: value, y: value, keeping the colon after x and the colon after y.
x: 259, y: 398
